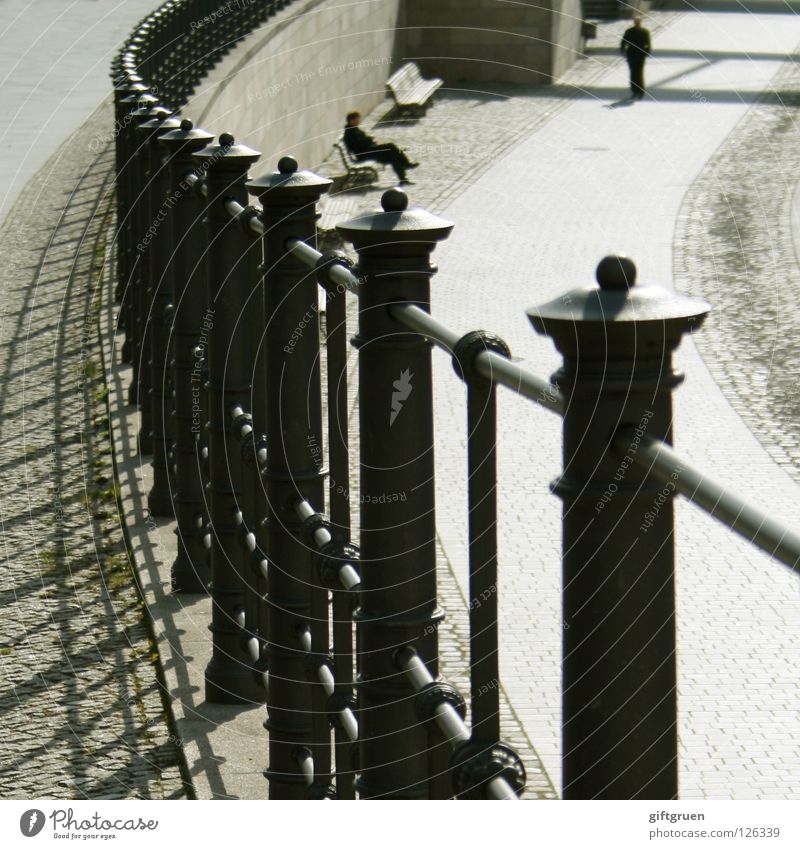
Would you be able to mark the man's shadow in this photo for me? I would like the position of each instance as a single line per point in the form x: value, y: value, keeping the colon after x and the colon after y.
x: 619, y: 104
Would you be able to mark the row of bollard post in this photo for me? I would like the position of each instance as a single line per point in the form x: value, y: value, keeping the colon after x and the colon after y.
x: 222, y: 332
x: 175, y: 46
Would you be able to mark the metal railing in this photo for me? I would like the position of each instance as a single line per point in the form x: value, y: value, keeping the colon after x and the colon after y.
x: 219, y: 300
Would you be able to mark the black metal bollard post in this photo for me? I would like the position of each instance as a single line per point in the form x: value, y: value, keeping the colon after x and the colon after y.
x: 398, y: 528
x: 204, y: 40
x: 158, y: 295
x: 619, y: 678
x: 129, y: 177
x: 176, y: 71
x: 123, y: 103
x: 140, y: 222
x: 229, y: 676
x: 294, y: 430
x: 188, y: 285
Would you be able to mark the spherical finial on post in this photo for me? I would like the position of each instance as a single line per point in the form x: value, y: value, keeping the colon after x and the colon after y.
x: 616, y: 272
x: 394, y: 200
x: 226, y: 140
x: 287, y: 165
x: 187, y: 124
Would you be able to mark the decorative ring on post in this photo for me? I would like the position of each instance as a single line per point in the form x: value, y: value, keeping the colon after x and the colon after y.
x: 437, y: 693
x: 475, y: 766
x: 321, y: 791
x: 313, y: 523
x: 336, y: 704
x: 249, y: 213
x: 332, y: 557
x: 327, y: 261
x: 239, y: 422
x: 469, y: 346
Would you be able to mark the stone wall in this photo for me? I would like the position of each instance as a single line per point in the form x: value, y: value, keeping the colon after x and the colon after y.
x: 287, y: 87
x: 529, y: 42
x: 566, y: 39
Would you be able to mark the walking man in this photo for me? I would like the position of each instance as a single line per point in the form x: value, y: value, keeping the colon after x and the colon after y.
x: 635, y: 47
x: 363, y: 146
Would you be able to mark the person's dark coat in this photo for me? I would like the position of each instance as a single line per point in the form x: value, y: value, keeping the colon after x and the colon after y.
x: 636, y: 43
x: 358, y: 142
x: 363, y: 146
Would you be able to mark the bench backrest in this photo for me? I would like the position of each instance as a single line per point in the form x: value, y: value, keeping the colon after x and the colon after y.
x: 407, y: 76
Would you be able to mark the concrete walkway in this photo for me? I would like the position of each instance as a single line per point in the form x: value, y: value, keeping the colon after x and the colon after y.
x: 54, y: 61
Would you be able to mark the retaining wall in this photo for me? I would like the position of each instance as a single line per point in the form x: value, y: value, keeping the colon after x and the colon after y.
x: 288, y: 86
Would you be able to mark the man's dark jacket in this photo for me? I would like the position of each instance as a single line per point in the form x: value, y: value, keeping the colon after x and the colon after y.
x: 357, y: 141
x: 637, y: 42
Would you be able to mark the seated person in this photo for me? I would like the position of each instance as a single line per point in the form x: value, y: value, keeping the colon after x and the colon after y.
x: 363, y: 146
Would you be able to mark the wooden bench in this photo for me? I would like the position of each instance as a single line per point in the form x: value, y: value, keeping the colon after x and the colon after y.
x: 411, y: 92
x: 359, y: 173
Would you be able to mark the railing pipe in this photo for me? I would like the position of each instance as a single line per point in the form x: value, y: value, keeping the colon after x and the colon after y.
x: 305, y: 762
x: 447, y: 718
x: 336, y: 273
x: 328, y: 681
x: 305, y: 511
x: 347, y: 573
x: 677, y: 475
x: 488, y: 364
x: 236, y: 210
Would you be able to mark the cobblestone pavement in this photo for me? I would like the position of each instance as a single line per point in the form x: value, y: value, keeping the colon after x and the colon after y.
x: 81, y: 707
x: 748, y: 191
x: 54, y: 60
